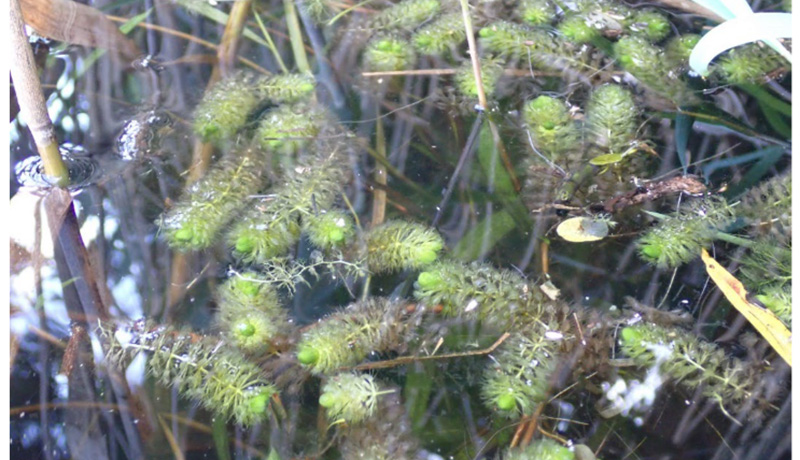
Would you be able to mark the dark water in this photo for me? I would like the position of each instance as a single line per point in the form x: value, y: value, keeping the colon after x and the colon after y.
x: 126, y: 129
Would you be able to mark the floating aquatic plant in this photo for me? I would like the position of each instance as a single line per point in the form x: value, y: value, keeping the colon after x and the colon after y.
x: 518, y: 378
x: 399, y: 245
x: 202, y: 369
x: 250, y: 313
x: 197, y: 220
x: 679, y: 238
x: 225, y: 108
x: 351, y: 398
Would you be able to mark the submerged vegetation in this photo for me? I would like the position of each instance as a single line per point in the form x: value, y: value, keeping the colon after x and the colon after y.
x: 403, y: 247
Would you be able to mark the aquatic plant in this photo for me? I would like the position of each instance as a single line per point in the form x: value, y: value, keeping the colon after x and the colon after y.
x: 444, y: 33
x: 518, y: 378
x: 329, y: 230
x: 553, y: 131
x: 690, y: 361
x: 351, y: 398
x: 201, y: 368
x: 497, y: 296
x: 225, y: 108
x: 270, y: 230
x: 197, y: 220
x: 346, y: 337
x: 399, y: 245
x: 612, y: 117
x: 678, y: 239
x: 491, y: 71
x: 250, y: 313
x: 388, y: 53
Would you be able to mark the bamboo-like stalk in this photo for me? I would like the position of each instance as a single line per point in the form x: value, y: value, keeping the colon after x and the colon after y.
x: 226, y: 53
x: 473, y: 54
x: 296, y: 37
x: 31, y: 100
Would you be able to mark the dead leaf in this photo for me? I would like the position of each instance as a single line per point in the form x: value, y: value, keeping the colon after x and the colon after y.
x: 72, y: 22
x: 766, y: 323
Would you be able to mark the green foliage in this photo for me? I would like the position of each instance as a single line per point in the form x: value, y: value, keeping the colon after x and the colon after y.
x: 518, y: 378
x: 444, y: 33
x: 678, y: 49
x: 407, y: 14
x: 536, y: 12
x: 351, y: 398
x: 770, y: 202
x: 389, y: 53
x: 196, y: 221
x: 286, y: 88
x: 612, y: 117
x: 501, y: 297
x: 271, y: 229
x: 345, y: 338
x: 649, y: 24
x: 679, y: 238
x: 577, y: 29
x: 201, y: 368
x: 291, y: 127
x: 779, y: 301
x: 689, y: 361
x: 768, y: 263
x: 225, y: 108
x: 748, y: 64
x: 552, y: 129
x: 400, y: 245
x: 514, y: 41
x: 329, y: 230
x: 491, y: 71
x: 250, y: 314
x: 541, y: 449
x: 645, y: 62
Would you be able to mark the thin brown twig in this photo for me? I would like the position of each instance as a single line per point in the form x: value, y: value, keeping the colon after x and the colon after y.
x: 177, y: 453
x: 191, y: 38
x: 411, y: 359
x: 32, y: 408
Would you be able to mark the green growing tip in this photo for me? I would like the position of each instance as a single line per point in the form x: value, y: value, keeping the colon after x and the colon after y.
x: 248, y: 288
x: 651, y: 251
x: 336, y: 235
x: 308, y: 356
x: 326, y: 400
x: 429, y: 280
x: 184, y: 234
x: 245, y: 245
x: 258, y: 404
x: 245, y: 329
x: 426, y: 256
x: 506, y: 402
x: 630, y: 335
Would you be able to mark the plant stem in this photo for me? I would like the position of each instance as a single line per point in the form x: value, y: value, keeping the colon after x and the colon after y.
x: 271, y: 44
x: 379, y: 195
x: 473, y: 54
x: 31, y: 100
x: 296, y: 37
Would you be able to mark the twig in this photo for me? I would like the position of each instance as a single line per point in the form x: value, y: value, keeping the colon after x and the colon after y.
x: 31, y: 100
x: 411, y: 359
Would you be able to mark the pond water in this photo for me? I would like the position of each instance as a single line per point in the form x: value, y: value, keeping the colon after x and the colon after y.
x: 305, y: 230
